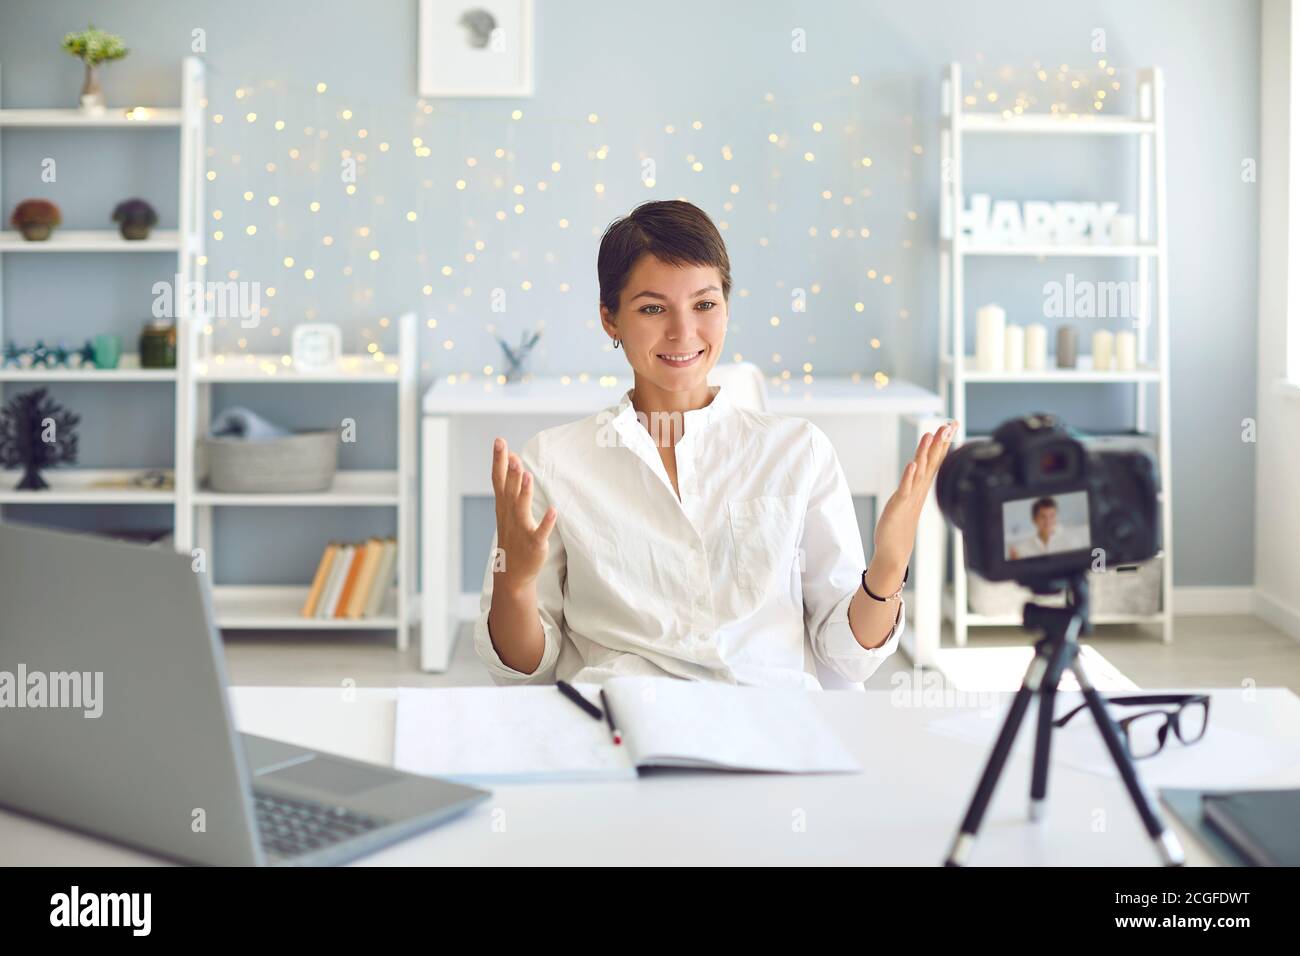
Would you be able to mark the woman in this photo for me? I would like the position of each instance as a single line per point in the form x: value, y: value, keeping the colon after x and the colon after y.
x: 675, y: 533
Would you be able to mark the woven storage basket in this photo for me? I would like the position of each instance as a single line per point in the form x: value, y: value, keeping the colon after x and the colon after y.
x: 1128, y: 588
x: 302, y: 462
x: 996, y: 598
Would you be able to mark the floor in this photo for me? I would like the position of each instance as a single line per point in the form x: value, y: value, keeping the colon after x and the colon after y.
x: 1234, y: 651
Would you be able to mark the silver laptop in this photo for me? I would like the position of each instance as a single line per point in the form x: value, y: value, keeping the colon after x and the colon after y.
x: 114, y: 720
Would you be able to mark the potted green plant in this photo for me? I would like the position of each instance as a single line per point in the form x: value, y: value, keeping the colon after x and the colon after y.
x: 35, y: 219
x: 93, y: 47
x: 135, y: 217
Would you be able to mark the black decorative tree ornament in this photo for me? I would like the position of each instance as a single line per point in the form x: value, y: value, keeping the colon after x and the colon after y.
x: 36, y: 432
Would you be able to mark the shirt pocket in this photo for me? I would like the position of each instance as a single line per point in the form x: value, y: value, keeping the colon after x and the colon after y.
x: 765, y: 536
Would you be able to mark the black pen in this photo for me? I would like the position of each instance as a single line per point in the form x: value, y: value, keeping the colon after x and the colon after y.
x: 609, y: 718
x: 571, y: 692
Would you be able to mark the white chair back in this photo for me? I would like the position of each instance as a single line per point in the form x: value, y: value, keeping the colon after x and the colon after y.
x: 744, y: 384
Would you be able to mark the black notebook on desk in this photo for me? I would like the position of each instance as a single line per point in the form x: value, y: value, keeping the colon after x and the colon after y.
x: 1262, y: 825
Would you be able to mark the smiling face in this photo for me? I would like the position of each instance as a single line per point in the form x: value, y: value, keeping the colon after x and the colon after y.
x: 672, y: 322
x: 1045, y: 521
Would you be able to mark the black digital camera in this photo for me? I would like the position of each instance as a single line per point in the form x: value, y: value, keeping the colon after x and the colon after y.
x: 1037, y: 507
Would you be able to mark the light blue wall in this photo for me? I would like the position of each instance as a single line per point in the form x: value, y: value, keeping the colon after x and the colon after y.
x: 640, y: 69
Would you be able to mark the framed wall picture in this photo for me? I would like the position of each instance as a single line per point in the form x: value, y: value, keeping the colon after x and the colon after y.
x: 476, y: 48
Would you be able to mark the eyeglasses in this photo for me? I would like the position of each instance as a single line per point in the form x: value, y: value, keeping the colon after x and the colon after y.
x: 1145, y: 733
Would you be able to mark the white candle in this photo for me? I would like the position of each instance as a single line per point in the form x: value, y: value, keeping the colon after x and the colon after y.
x: 990, y: 326
x: 1014, y: 353
x: 1103, y: 346
x: 1035, y: 347
x: 1126, y: 351
x: 1123, y: 230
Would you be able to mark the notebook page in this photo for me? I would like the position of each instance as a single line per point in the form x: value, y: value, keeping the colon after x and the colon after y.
x: 670, y: 722
x: 491, y: 735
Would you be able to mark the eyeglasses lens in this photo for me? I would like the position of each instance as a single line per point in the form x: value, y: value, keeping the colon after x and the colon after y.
x: 1146, y: 734
x: 1192, y: 720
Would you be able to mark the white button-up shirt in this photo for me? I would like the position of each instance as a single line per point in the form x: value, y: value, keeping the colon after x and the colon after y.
x: 1063, y: 539
x: 742, y: 580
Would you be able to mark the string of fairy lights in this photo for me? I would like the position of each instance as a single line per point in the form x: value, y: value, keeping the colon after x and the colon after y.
x: 486, y: 216
x: 1067, y: 93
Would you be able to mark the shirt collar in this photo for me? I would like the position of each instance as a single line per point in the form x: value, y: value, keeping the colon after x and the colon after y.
x: 693, y: 421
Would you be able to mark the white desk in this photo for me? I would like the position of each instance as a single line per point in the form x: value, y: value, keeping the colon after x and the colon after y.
x: 903, y: 810
x: 864, y: 423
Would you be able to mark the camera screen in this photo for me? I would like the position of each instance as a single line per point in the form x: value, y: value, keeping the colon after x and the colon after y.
x: 1049, y: 524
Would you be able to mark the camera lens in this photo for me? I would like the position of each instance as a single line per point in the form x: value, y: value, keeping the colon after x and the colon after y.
x: 955, y: 471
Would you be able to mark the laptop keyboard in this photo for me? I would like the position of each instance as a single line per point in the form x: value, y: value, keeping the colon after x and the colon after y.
x: 291, y: 828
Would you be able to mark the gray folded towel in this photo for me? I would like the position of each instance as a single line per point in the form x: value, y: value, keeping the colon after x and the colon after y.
x: 239, y: 422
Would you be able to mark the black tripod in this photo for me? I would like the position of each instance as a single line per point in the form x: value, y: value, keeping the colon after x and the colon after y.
x: 1057, y: 651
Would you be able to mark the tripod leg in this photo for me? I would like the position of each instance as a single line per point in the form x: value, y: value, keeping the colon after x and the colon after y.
x: 1061, y: 658
x: 970, y: 824
x: 1167, y: 845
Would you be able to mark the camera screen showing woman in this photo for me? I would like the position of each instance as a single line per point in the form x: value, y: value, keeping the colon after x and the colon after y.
x: 1055, y: 525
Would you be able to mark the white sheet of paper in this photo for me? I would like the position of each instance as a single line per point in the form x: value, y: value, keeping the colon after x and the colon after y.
x: 491, y: 735
x: 1222, y: 758
x: 677, y: 723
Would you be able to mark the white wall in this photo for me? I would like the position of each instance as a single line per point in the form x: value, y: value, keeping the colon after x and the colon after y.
x: 1277, y: 462
x: 712, y: 61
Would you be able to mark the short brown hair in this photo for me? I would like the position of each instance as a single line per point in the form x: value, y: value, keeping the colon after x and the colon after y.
x: 673, y: 231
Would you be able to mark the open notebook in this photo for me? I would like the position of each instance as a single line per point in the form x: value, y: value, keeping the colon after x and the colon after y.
x: 521, y: 734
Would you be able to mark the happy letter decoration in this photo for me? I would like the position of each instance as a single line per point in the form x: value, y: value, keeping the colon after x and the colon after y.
x: 1007, y: 222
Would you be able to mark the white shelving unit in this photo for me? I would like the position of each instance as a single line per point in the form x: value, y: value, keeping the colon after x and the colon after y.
x: 197, y: 370
x: 276, y: 607
x: 957, y: 368
x: 81, y: 486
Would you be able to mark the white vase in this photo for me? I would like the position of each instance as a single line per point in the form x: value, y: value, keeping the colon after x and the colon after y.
x: 92, y: 96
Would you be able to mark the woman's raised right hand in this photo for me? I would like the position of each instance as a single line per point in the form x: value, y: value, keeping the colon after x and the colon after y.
x: 522, y: 541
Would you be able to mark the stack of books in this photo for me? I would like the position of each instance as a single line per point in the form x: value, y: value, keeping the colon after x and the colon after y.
x: 352, y: 579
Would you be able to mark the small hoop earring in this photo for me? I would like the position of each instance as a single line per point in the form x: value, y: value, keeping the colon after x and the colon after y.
x: 618, y: 343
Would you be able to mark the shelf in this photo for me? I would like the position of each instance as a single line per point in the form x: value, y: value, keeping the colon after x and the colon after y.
x: 1083, y: 374
x: 251, y: 367
x: 91, y: 240
x: 352, y: 488
x: 1144, y: 248
x: 76, y: 486
x: 1077, y: 250
x: 1017, y: 620
x: 140, y: 117
x: 128, y: 370
x: 1069, y: 126
x: 1106, y: 441
x: 273, y: 607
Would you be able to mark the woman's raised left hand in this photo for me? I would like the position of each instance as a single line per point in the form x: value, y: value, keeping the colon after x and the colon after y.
x: 896, y: 525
